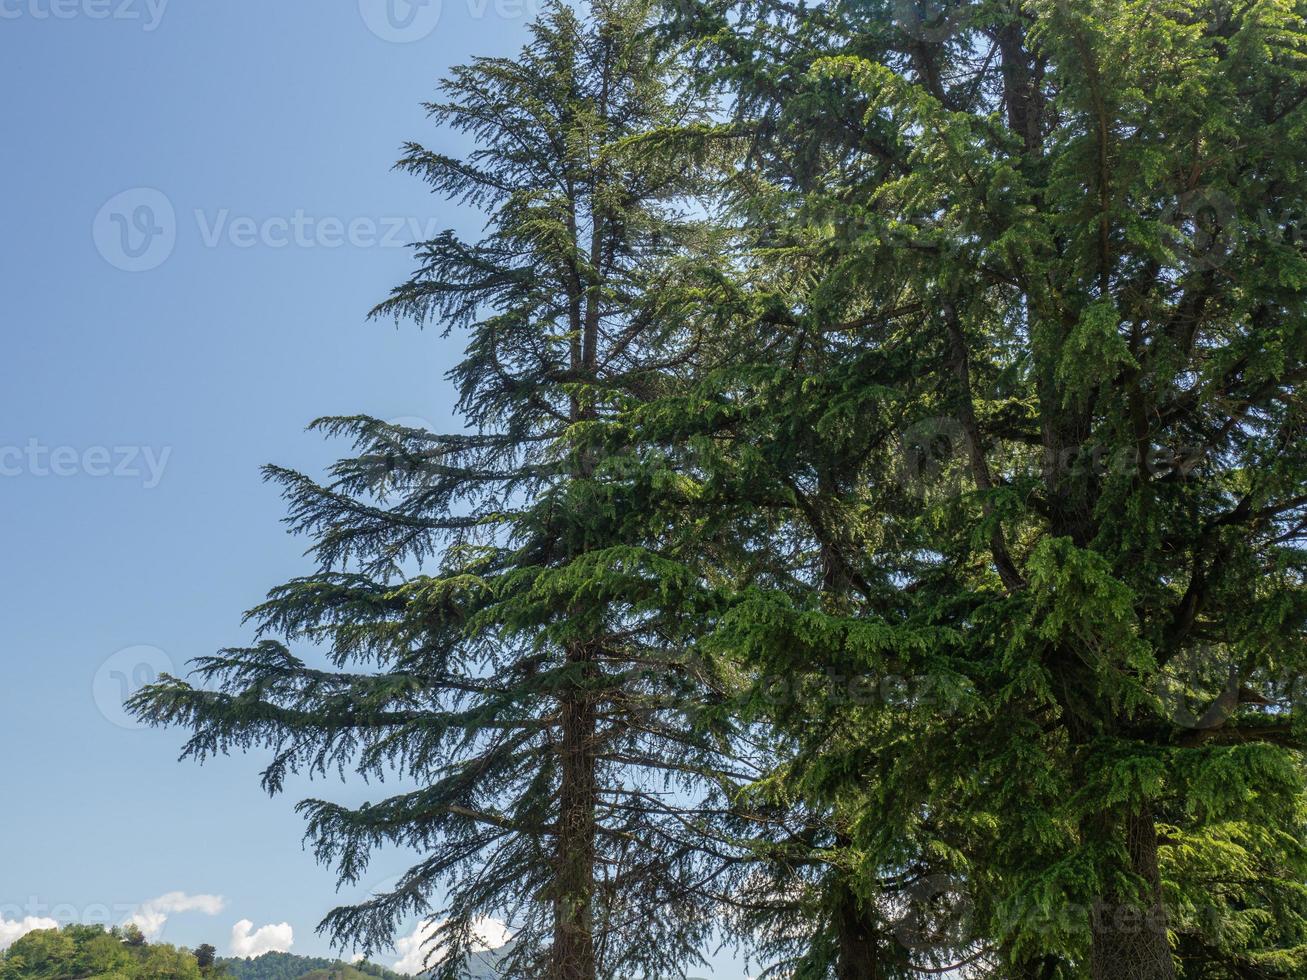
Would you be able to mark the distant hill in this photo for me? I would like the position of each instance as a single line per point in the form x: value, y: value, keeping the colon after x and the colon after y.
x: 341, y: 971
x: 288, y: 966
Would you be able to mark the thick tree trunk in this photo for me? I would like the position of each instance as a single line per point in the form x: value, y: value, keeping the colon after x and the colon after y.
x: 573, y: 955
x: 859, y: 957
x: 1129, y: 933
x: 1036, y: 968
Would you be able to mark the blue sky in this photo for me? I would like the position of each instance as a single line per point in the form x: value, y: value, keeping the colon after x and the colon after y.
x: 198, y: 210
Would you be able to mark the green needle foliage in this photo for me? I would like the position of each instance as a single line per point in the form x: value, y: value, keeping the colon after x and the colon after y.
x: 1027, y: 300
x: 502, y: 631
x: 879, y: 530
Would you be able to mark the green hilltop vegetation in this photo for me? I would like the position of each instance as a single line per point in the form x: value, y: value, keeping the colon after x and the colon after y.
x: 288, y: 966
x: 82, y: 952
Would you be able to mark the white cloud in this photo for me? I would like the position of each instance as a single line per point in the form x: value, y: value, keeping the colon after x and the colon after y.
x: 152, y: 915
x: 11, y: 932
x: 246, y: 941
x: 415, y: 948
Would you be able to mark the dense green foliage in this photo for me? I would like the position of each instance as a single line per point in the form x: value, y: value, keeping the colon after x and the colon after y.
x: 531, y: 681
x: 1030, y: 309
x: 880, y: 530
x: 79, y: 952
x: 289, y: 966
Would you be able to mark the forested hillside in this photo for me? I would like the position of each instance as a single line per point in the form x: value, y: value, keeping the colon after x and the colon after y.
x: 79, y: 952
x: 288, y: 966
x: 95, y: 953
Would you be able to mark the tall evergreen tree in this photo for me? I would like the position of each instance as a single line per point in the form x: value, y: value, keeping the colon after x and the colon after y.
x: 493, y: 603
x: 1030, y: 417
x: 977, y: 477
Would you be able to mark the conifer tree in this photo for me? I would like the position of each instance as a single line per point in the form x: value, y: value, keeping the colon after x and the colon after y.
x: 1033, y: 287
x: 502, y: 630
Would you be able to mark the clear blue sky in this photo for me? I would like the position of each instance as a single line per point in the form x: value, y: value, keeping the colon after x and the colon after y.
x: 139, y: 405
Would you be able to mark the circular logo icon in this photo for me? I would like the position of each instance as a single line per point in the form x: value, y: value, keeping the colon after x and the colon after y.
x: 384, y: 888
x: 401, y: 21
x: 935, y: 916
x: 123, y: 676
x: 1201, y: 230
x: 932, y: 452
x: 1199, y: 688
x: 136, y: 231
x: 930, y: 20
x: 400, y: 458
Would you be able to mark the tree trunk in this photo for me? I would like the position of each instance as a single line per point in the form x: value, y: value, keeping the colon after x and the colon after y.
x: 865, y: 949
x: 1128, y: 932
x: 1035, y: 968
x: 573, y: 955
x: 857, y: 951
